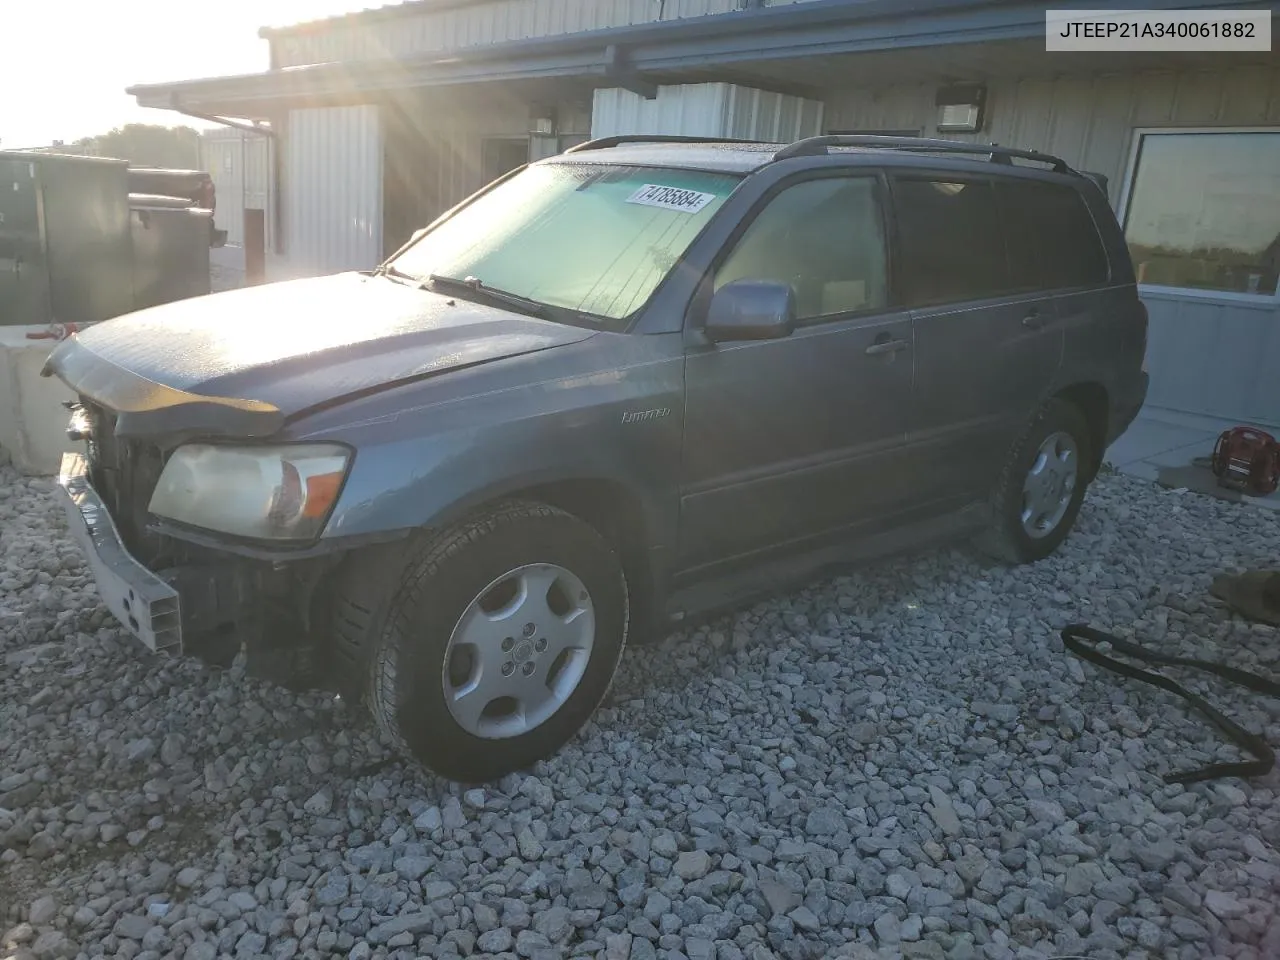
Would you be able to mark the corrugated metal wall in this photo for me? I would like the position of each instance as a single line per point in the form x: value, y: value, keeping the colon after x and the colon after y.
x: 333, y: 189
x: 1214, y: 356
x: 240, y: 164
x: 754, y: 114
x: 479, y: 24
x: 434, y: 148
x: 708, y: 110
x: 1088, y: 121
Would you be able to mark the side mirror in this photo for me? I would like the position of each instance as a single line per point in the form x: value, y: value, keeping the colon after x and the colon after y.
x: 751, y: 310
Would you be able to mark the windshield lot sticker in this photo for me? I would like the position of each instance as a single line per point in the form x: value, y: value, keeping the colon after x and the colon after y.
x: 671, y: 198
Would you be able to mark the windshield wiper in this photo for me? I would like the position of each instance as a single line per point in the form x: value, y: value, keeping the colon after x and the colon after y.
x: 533, y: 308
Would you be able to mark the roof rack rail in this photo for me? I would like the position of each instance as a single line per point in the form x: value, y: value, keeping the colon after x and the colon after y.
x: 601, y: 143
x: 817, y: 146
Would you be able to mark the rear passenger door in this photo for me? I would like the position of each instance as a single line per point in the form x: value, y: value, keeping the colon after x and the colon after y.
x: 988, y: 340
x: 1052, y: 222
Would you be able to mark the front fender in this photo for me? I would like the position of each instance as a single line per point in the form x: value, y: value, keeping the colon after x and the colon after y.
x: 454, y: 482
x: 622, y: 426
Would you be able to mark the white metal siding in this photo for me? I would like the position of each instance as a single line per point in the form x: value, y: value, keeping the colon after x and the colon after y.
x: 436, y: 140
x: 685, y: 109
x: 1206, y: 355
x: 333, y: 189
x: 706, y: 110
x: 240, y: 164
x: 1088, y: 121
x: 763, y: 115
x: 481, y: 23
x: 1214, y: 357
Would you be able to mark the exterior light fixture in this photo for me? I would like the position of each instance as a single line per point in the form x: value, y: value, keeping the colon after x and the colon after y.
x: 961, y: 108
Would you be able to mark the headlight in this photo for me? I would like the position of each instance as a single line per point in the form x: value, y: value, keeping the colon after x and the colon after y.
x: 277, y: 493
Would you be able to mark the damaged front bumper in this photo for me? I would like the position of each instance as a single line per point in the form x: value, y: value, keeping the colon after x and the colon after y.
x: 144, y: 604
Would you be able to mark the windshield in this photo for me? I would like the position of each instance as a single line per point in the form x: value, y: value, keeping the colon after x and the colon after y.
x: 591, y: 238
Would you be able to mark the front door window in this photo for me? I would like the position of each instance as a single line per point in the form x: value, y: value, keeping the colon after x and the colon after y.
x: 825, y: 239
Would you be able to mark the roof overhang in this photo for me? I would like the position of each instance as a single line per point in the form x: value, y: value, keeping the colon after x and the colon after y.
x: 635, y: 56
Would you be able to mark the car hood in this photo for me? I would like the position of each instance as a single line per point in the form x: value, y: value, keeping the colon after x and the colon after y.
x: 241, y: 363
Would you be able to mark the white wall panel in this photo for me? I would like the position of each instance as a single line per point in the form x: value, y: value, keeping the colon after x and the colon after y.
x: 1205, y: 355
x: 333, y: 189
x: 1088, y: 121
x: 706, y: 110
x: 764, y: 115
x: 240, y: 164
x: 695, y: 109
x: 481, y: 23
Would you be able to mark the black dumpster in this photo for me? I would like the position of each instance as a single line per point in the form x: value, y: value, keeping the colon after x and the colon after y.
x: 170, y: 249
x: 64, y: 239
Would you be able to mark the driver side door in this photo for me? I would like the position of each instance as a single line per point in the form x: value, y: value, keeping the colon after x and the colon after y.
x: 793, y: 440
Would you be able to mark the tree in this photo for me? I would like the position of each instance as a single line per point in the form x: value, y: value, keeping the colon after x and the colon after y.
x: 147, y: 144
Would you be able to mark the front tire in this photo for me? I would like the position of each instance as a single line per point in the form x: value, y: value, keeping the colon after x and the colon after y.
x: 500, y: 642
x: 1042, y: 486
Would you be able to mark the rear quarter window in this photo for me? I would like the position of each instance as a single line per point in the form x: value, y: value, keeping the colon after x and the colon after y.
x: 975, y: 239
x: 1053, y: 240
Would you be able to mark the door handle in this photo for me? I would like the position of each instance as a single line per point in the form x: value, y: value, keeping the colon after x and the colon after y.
x: 886, y: 346
x: 1033, y: 320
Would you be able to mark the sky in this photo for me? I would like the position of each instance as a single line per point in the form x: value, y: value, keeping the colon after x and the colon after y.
x: 66, y: 63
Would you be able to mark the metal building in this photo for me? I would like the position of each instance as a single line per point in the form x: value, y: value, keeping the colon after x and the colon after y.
x: 382, y: 119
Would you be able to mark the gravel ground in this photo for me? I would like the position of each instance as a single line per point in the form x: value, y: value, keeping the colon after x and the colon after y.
x: 898, y: 763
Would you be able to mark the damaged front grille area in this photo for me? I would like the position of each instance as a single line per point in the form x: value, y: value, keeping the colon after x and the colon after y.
x: 148, y: 607
x: 220, y: 600
x: 125, y: 474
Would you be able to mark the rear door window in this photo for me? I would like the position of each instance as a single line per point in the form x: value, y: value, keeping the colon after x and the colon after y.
x: 1053, y: 241
x: 952, y: 243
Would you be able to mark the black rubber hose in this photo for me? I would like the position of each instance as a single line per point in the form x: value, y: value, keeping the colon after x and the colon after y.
x: 1081, y: 640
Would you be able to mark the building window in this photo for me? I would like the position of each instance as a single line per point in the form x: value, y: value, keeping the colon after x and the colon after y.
x: 1204, y: 211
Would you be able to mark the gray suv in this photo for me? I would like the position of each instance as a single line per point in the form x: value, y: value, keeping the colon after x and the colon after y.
x: 633, y: 383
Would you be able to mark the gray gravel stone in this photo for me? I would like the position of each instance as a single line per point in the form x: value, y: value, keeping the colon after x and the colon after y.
x: 899, y: 758
x: 42, y: 911
x: 319, y: 803
x: 943, y: 812
x: 888, y: 929
x: 131, y: 926
x: 1223, y: 905
x: 496, y: 941
x: 824, y: 822
x: 429, y: 820
x: 693, y: 864
x: 52, y: 945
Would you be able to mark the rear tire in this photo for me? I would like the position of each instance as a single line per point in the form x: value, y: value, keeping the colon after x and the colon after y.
x: 1042, y: 486
x: 500, y: 642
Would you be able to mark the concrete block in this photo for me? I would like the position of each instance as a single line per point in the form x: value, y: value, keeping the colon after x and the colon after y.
x: 33, y: 420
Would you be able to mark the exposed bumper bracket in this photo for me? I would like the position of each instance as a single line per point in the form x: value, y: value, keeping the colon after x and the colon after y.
x: 143, y: 603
